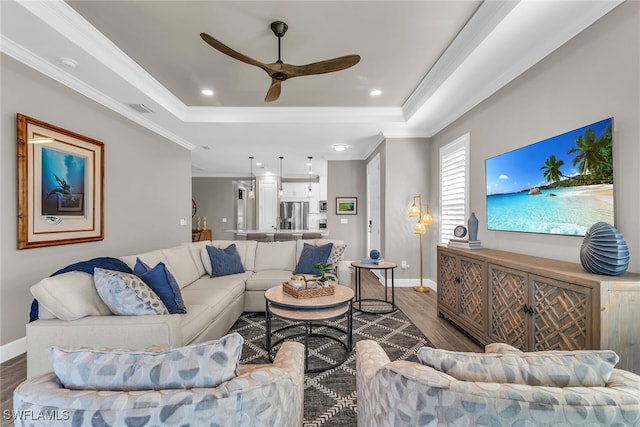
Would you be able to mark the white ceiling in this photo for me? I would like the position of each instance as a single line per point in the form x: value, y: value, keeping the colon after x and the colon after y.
x: 433, y: 61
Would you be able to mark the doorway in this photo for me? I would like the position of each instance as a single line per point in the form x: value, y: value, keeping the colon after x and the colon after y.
x: 374, y: 216
x: 241, y: 208
x: 268, y: 205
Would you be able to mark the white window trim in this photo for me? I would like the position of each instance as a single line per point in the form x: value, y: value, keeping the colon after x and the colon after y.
x: 462, y: 143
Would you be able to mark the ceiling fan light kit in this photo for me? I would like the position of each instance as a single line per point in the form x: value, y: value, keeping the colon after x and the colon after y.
x: 279, y: 71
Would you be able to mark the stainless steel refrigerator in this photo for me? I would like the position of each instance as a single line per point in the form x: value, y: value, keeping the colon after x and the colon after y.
x: 294, y: 215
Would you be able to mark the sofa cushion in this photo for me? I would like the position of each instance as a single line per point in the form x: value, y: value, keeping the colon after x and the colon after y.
x: 69, y: 296
x: 581, y: 368
x: 126, y: 294
x: 276, y: 256
x: 194, y: 249
x: 224, y: 262
x: 149, y: 258
x: 181, y: 264
x: 208, y: 364
x: 162, y: 282
x: 310, y: 256
x: 234, y: 283
x: 196, y: 320
x: 246, y: 250
x: 263, y: 280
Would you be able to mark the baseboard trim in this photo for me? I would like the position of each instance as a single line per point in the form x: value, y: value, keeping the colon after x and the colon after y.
x: 13, y: 349
x: 407, y: 283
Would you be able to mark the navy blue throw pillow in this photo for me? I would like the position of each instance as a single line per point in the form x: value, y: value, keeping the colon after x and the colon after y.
x: 162, y: 282
x: 225, y: 261
x: 310, y: 256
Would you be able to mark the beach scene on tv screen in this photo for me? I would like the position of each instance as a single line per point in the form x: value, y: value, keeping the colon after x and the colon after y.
x: 561, y: 185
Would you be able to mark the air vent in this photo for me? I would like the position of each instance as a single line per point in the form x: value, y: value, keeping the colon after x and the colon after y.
x: 141, y: 108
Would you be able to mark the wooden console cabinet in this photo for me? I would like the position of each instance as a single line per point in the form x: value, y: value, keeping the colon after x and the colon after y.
x: 537, y: 303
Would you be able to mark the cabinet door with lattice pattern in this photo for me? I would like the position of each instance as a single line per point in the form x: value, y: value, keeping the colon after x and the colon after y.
x: 447, y: 281
x: 472, y: 303
x: 508, y: 309
x: 561, y: 316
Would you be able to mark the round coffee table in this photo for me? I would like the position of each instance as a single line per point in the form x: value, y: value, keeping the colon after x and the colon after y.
x: 307, y: 312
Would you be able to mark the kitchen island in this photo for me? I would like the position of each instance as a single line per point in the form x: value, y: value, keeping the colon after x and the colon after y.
x: 277, y: 234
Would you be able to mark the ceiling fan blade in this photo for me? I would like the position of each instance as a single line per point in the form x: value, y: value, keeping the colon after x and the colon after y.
x: 274, y: 91
x: 327, y: 66
x: 232, y: 53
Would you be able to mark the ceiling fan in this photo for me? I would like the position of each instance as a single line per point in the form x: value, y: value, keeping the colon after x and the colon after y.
x: 279, y: 71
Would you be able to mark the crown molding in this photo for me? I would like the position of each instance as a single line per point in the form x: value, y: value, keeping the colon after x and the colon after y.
x: 17, y: 52
x: 480, y: 25
x: 69, y: 23
x: 513, y: 45
x: 294, y: 115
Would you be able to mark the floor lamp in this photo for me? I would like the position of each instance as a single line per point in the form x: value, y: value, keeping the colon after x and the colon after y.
x: 415, y: 211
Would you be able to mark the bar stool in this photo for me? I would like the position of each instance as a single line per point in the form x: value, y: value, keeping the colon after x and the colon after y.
x: 260, y: 237
x: 311, y: 235
x: 282, y: 237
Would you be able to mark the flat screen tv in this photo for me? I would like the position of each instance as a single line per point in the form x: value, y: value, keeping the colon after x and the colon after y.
x: 561, y: 185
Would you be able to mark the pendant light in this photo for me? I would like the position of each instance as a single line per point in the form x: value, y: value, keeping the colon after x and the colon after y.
x: 280, y: 192
x: 251, y: 193
x: 309, y: 164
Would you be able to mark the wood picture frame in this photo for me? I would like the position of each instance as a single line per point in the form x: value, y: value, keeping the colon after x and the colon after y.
x: 60, y: 185
x: 346, y: 205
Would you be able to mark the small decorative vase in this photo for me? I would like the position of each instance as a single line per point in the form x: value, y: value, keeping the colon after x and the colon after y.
x: 472, y: 227
x: 374, y: 254
x: 604, y: 250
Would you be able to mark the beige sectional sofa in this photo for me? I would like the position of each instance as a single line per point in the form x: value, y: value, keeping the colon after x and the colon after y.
x: 71, y: 312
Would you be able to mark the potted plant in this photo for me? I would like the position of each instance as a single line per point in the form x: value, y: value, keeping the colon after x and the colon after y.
x: 324, y: 268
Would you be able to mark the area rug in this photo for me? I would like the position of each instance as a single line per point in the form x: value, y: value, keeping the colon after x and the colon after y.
x: 330, y: 396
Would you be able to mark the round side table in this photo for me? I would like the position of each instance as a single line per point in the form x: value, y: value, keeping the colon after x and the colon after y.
x: 385, y: 266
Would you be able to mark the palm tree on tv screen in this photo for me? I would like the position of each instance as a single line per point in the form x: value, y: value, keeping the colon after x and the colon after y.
x: 551, y: 169
x: 592, y: 154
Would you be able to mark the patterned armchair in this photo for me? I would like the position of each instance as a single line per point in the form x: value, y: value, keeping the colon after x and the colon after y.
x: 403, y: 393
x: 260, y: 395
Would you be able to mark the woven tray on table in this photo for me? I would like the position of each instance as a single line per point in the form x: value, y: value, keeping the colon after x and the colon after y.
x: 308, y: 293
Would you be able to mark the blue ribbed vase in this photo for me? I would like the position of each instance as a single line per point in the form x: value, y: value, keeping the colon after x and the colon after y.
x: 604, y: 251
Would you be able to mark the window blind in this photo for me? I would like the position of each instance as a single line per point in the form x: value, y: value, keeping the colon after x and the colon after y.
x: 454, y: 186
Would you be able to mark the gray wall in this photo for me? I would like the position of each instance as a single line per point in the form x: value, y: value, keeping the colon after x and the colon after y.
x: 344, y: 179
x: 216, y: 199
x: 147, y: 187
x: 406, y: 175
x: 594, y: 76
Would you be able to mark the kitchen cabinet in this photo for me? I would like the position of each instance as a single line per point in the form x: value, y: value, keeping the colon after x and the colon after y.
x: 536, y: 303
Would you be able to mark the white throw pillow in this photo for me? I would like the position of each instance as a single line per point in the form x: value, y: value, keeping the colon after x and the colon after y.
x: 69, y: 296
x: 207, y: 364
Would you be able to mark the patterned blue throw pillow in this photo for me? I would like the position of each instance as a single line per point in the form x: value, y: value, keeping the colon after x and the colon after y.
x: 225, y: 261
x: 162, y: 282
x: 126, y: 294
x: 207, y: 364
x: 310, y: 256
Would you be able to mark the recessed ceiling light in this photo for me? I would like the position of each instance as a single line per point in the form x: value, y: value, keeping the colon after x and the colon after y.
x: 339, y: 147
x: 258, y: 164
x: 68, y: 62
x: 375, y: 92
x: 207, y: 92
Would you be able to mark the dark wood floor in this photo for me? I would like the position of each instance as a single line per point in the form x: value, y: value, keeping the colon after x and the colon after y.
x: 421, y: 308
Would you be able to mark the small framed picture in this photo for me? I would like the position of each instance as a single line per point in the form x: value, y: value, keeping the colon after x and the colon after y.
x: 346, y: 205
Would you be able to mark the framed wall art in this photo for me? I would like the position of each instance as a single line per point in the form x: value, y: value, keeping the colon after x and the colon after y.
x: 346, y: 205
x: 60, y: 185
